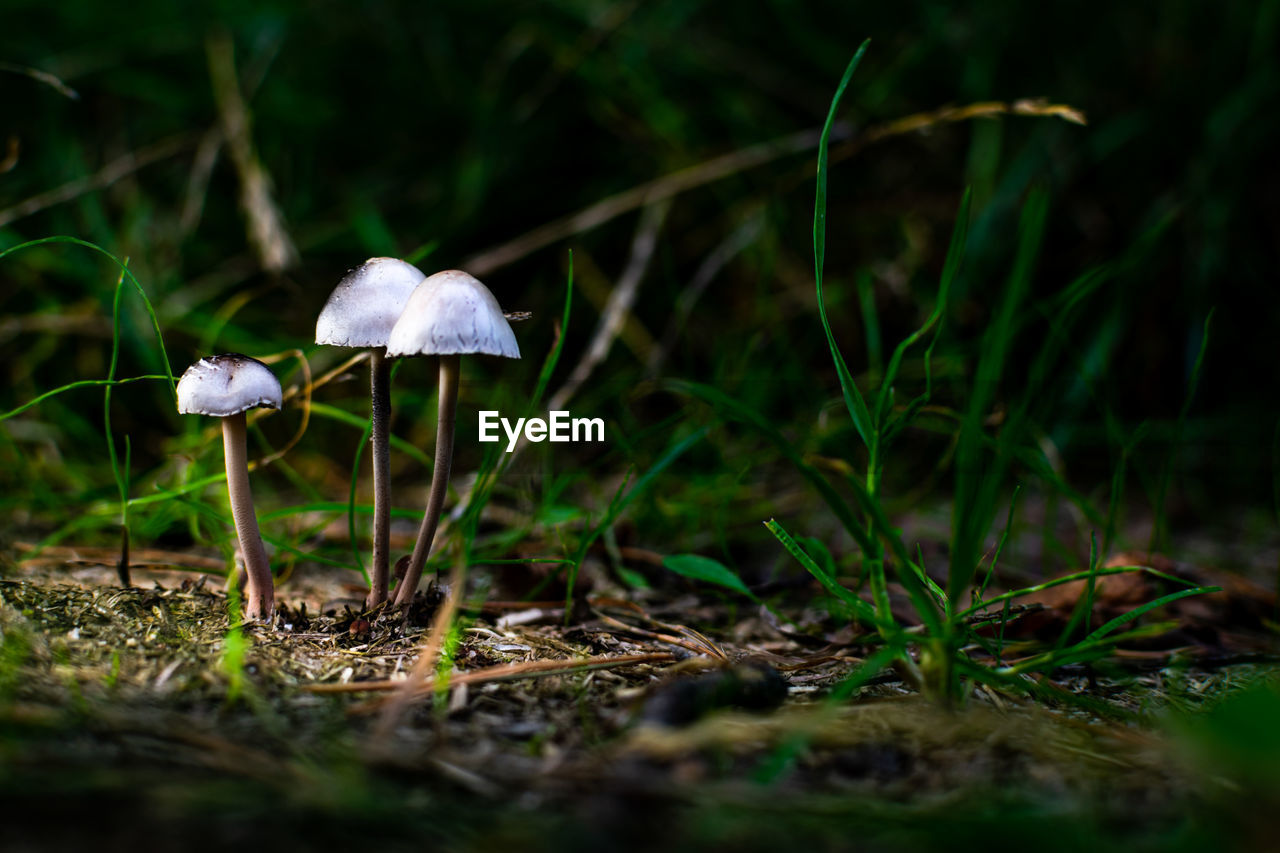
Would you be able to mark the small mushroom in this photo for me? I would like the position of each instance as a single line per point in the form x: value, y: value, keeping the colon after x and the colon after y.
x: 360, y: 313
x: 227, y: 386
x: 450, y: 314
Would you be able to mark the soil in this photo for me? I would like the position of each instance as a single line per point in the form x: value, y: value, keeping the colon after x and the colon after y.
x: 138, y: 718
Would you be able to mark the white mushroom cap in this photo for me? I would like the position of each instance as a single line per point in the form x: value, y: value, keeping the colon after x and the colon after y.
x: 224, y: 385
x: 450, y: 313
x: 366, y: 303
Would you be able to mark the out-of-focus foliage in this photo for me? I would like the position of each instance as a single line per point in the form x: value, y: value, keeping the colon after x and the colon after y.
x: 439, y: 130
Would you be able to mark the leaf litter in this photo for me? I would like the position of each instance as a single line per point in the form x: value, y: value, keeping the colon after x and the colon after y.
x: 108, y: 689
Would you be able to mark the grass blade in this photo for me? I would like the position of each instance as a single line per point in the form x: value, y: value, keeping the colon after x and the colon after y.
x: 853, y: 398
x: 864, y: 611
x: 978, y: 483
x: 82, y: 383
x: 1126, y: 618
x: 955, y: 254
x: 324, y: 410
x: 124, y: 270
x: 351, y: 498
x: 553, y: 357
x: 878, y: 524
x: 870, y: 319
x: 1075, y: 576
x: 1004, y: 537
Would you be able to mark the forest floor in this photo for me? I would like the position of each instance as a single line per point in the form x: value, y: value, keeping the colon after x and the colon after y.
x: 135, y: 718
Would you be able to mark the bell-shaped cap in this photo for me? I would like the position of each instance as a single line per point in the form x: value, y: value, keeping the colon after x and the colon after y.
x: 224, y: 385
x: 450, y: 313
x: 366, y: 303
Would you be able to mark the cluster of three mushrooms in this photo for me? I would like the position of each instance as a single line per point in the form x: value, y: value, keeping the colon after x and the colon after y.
x: 390, y: 307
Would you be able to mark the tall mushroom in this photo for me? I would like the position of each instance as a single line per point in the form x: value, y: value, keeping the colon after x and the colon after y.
x: 227, y: 386
x: 450, y: 314
x: 360, y: 313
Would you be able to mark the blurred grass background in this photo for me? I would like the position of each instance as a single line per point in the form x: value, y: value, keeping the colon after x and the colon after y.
x: 437, y: 132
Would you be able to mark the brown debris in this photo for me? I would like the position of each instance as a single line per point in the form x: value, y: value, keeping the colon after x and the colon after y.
x: 548, y: 712
x: 1215, y: 622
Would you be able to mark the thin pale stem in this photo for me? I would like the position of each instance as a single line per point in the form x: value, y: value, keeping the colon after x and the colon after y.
x: 380, y: 395
x: 261, y: 586
x: 439, y: 478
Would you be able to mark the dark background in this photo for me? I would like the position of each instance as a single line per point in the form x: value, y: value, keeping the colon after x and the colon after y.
x: 394, y: 128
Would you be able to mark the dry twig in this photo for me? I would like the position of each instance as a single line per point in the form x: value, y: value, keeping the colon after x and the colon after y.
x: 13, y: 147
x: 666, y: 187
x: 214, y: 138
x: 678, y: 635
x: 709, y: 171
x: 275, y: 249
x: 619, y: 304
x: 118, y: 168
x: 737, y: 240
x: 505, y: 672
x: 304, y: 390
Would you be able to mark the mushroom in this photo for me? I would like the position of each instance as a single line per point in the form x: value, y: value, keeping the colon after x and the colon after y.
x: 450, y: 314
x: 227, y: 386
x: 360, y: 313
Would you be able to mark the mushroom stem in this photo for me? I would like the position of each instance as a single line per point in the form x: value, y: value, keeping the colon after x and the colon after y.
x: 261, y: 587
x: 439, y: 478
x: 380, y: 393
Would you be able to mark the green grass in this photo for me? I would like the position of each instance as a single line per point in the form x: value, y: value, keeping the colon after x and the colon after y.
x: 983, y: 461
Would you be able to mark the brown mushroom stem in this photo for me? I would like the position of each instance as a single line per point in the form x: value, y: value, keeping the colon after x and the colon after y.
x: 261, y: 586
x: 439, y: 478
x: 380, y: 393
